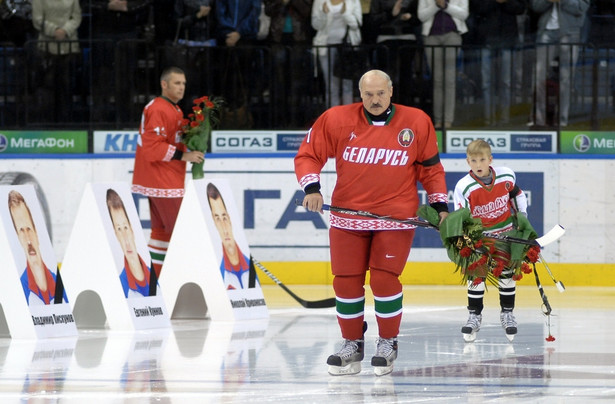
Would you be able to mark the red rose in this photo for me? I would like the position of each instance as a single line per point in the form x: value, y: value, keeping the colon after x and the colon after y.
x: 497, y: 271
x: 194, y: 124
x: 477, y: 281
x: 533, y: 254
x: 517, y: 277
x: 209, y: 104
x: 550, y: 338
x: 525, y: 268
x: 478, y: 244
x: 200, y: 117
x: 465, y: 252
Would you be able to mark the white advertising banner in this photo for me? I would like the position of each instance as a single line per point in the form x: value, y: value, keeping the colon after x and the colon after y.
x: 115, y: 142
x: 265, y: 188
x: 503, y: 141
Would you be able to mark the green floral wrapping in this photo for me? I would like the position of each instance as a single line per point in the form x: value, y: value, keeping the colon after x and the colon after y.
x: 476, y: 257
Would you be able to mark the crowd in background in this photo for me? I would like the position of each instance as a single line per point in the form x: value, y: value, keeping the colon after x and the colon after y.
x: 285, y: 61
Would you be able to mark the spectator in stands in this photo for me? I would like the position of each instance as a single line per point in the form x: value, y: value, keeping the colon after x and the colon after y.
x: 336, y: 21
x: 369, y: 30
x: 164, y: 29
x: 237, y: 21
x: 237, y: 27
x: 116, y: 25
x: 443, y: 24
x: 57, y: 23
x: 16, y: 22
x: 195, y: 35
x: 290, y: 35
x: 497, y: 30
x: 602, y: 13
x: 398, y: 28
x: 559, y: 33
x: 196, y: 22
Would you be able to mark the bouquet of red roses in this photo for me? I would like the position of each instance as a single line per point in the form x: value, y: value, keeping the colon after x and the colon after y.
x: 197, y: 128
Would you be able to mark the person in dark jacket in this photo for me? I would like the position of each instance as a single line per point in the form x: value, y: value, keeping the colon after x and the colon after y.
x: 290, y: 37
x: 237, y: 21
x: 397, y: 26
x: 116, y: 25
x: 497, y: 28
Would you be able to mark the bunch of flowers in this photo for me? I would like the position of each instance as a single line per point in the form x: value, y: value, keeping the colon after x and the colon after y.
x: 478, y: 258
x: 197, y: 127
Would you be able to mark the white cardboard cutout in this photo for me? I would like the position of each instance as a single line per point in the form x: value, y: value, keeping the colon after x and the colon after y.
x: 26, y: 312
x: 94, y: 261
x: 195, y: 254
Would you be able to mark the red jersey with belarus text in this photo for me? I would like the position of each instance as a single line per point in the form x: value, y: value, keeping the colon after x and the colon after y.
x: 377, y: 166
x: 155, y: 173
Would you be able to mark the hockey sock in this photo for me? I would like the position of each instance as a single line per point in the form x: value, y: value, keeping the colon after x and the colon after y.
x: 158, y: 245
x: 507, y: 288
x: 350, y: 304
x: 388, y: 298
x: 476, y: 294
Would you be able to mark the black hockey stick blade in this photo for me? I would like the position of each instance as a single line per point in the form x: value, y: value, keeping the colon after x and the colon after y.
x: 545, y: 302
x: 308, y: 304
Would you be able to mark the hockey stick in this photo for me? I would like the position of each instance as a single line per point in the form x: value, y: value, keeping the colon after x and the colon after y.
x: 549, y: 237
x: 560, y: 285
x: 314, y: 304
x: 543, y: 296
x: 552, y: 235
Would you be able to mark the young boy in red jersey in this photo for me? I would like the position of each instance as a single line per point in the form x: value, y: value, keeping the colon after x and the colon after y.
x: 491, y: 194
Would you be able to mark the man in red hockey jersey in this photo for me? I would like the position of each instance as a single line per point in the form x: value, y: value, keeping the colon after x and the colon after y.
x: 160, y: 161
x: 381, y: 151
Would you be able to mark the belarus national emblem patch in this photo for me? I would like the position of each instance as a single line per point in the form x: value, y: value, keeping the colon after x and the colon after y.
x: 405, y: 137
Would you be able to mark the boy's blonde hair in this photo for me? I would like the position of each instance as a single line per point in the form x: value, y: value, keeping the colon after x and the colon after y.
x: 478, y: 146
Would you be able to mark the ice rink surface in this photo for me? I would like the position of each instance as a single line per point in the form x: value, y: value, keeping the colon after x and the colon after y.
x: 282, y: 359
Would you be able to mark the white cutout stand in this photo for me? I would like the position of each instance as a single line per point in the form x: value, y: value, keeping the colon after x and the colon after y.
x: 20, y: 320
x: 90, y: 271
x: 191, y: 259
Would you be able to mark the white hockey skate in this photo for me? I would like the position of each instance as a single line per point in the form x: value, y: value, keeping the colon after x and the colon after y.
x: 347, y: 361
x: 509, y: 324
x: 386, y: 353
x: 472, y: 327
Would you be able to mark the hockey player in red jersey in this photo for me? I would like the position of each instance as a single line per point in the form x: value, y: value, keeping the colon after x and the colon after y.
x: 491, y: 194
x: 160, y: 161
x: 381, y: 151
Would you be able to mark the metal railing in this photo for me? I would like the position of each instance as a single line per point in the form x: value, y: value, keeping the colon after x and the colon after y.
x: 106, y: 84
